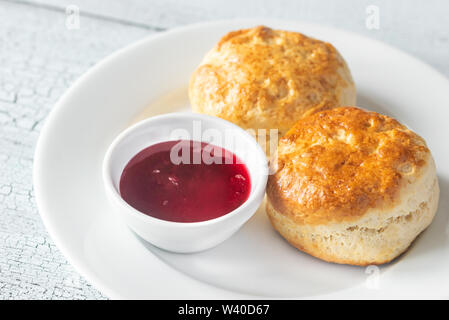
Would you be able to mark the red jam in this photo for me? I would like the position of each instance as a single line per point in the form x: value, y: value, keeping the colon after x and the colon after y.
x: 192, y: 190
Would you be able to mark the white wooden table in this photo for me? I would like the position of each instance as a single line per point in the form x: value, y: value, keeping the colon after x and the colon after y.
x: 40, y: 57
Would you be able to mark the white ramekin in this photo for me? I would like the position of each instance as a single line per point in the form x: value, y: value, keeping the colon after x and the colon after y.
x: 190, y: 236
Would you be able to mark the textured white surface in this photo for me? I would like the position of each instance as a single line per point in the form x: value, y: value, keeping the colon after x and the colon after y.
x: 40, y: 58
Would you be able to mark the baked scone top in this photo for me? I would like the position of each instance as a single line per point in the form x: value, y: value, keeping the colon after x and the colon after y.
x: 265, y: 78
x: 336, y: 164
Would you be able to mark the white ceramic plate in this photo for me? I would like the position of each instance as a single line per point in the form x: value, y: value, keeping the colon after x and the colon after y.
x: 151, y: 77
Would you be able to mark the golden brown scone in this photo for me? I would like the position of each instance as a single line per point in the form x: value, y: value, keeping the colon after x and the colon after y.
x: 261, y: 78
x: 352, y: 187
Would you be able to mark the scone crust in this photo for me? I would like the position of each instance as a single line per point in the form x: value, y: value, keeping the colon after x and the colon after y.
x: 261, y: 78
x: 376, y: 240
x: 336, y: 165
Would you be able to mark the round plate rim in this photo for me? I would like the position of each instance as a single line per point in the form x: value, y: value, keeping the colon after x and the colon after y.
x: 59, y: 107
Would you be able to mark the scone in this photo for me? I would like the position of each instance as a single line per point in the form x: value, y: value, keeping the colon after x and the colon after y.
x: 261, y: 78
x: 352, y: 187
